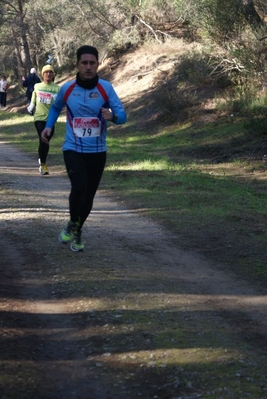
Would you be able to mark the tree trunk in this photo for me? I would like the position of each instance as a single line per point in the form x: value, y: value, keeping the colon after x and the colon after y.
x: 14, y: 13
x: 251, y: 15
x: 25, y: 46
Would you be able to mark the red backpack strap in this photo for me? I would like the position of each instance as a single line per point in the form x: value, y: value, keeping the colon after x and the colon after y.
x: 68, y: 91
x: 102, y: 92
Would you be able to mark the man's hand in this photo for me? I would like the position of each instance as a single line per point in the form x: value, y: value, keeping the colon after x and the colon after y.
x: 107, y: 114
x: 45, y: 134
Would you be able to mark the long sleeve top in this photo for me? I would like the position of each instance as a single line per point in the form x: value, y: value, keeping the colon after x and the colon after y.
x: 43, y: 96
x: 86, y: 130
x: 3, y: 84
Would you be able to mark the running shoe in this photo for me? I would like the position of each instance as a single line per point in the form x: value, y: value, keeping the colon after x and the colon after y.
x: 43, y: 169
x: 67, y: 234
x: 77, y: 244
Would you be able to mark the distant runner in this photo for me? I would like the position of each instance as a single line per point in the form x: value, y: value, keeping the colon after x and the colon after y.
x: 43, y: 96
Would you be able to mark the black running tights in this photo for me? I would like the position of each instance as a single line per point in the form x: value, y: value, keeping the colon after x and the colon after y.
x: 85, y: 172
x: 43, y: 147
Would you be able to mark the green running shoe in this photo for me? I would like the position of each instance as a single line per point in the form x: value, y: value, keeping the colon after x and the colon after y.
x: 43, y: 169
x: 77, y: 244
x: 67, y: 234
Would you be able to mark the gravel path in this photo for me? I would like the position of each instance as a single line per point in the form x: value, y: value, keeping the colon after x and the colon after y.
x: 107, y: 322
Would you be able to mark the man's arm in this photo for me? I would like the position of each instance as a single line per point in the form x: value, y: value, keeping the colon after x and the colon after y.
x: 45, y: 134
x: 118, y: 115
x: 25, y: 82
x: 53, y: 115
x: 55, y: 109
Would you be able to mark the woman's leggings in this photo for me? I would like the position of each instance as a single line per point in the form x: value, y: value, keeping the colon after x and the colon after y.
x: 85, y: 171
x: 43, y: 147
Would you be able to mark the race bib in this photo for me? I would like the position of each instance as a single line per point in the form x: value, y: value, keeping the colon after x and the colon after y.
x: 44, y: 98
x: 86, y: 127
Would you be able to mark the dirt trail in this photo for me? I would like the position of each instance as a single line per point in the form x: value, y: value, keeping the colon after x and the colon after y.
x: 87, y: 325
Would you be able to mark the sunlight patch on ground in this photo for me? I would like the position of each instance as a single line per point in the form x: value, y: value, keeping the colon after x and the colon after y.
x: 171, y: 303
x: 160, y: 357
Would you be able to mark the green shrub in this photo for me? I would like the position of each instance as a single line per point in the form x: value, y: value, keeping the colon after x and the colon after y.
x: 176, y: 100
x: 194, y: 68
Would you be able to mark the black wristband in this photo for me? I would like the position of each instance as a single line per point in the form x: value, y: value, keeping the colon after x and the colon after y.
x: 114, y: 117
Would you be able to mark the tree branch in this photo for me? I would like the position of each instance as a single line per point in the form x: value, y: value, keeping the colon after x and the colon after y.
x: 149, y: 27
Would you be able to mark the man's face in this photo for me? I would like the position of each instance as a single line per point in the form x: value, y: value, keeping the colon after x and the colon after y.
x: 87, y: 66
x: 48, y: 76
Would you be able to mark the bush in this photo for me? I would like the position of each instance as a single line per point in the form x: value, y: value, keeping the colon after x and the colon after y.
x: 195, y: 68
x: 176, y: 100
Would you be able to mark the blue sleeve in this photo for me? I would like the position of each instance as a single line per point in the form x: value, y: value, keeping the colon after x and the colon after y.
x: 117, y: 108
x: 115, y: 103
x: 56, y: 108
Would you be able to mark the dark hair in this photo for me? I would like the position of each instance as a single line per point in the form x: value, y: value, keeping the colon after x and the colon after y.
x: 86, y: 50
